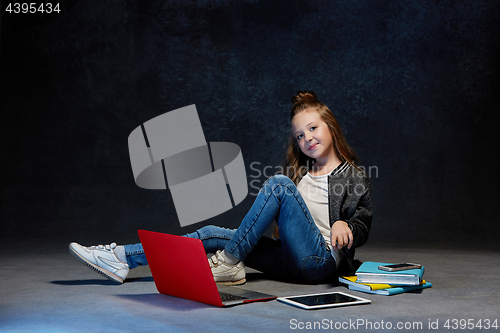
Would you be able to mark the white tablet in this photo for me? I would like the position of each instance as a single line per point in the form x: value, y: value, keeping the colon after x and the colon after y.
x: 323, y: 300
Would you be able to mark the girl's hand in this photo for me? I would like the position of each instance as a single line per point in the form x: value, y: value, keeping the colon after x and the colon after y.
x: 341, y: 235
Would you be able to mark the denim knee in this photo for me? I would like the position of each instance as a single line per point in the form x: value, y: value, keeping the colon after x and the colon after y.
x: 276, y: 181
x: 206, y: 230
x: 201, y: 233
x: 279, y: 180
x: 211, y: 231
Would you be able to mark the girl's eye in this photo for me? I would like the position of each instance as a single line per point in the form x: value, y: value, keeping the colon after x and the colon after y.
x: 312, y: 128
x: 299, y: 137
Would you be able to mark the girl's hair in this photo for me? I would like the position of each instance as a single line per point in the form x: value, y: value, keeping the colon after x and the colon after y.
x: 297, y: 164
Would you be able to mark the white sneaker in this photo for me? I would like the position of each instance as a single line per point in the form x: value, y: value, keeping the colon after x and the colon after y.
x: 101, y: 259
x: 226, y: 274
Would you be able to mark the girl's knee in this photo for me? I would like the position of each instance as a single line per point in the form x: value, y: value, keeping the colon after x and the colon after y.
x: 213, y: 231
x: 202, y: 232
x: 280, y: 179
x: 208, y: 230
x: 278, y: 184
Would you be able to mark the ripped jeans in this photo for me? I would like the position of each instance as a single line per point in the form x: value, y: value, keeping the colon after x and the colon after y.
x: 301, y: 254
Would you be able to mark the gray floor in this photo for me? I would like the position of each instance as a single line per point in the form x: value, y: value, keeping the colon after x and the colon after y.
x: 44, y: 289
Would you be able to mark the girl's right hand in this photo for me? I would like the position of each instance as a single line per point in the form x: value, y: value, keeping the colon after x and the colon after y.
x: 341, y: 235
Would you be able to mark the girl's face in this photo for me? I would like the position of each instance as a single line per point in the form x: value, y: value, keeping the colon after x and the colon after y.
x: 313, y: 136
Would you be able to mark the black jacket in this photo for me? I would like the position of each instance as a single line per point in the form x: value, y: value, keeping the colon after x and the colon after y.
x: 349, y: 200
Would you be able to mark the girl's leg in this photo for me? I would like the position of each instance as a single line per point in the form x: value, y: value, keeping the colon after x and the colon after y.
x: 114, y: 262
x: 135, y: 255
x: 213, y: 238
x: 301, y: 254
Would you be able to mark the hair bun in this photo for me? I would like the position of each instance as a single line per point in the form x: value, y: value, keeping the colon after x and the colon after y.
x: 303, y: 96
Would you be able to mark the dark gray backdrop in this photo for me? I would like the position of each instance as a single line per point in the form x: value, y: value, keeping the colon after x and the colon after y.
x: 414, y: 83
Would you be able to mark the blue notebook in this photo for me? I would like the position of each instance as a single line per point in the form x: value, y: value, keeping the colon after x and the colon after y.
x: 369, y: 272
x: 393, y: 290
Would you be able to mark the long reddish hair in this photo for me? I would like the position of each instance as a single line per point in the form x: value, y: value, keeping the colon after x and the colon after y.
x: 296, y: 163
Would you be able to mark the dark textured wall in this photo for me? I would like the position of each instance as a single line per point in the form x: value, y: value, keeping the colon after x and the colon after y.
x: 414, y: 83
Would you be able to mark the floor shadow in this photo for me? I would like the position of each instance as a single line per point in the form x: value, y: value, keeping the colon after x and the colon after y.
x: 85, y: 282
x: 101, y: 282
x: 257, y: 276
x: 140, y: 279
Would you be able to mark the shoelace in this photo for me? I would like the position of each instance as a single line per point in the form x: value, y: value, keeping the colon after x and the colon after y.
x: 215, y: 260
x: 109, y: 247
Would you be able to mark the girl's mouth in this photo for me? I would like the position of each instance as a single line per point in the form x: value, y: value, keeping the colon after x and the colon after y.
x: 313, y: 146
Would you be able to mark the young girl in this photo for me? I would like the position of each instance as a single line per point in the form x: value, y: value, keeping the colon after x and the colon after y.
x: 322, y: 208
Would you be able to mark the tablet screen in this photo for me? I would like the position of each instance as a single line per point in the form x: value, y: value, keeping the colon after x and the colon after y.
x: 324, y: 300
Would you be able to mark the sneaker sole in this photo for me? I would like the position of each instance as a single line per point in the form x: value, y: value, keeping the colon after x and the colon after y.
x: 231, y: 283
x: 104, y: 272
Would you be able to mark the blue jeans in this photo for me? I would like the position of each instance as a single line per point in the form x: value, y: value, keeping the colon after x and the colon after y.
x: 301, y: 254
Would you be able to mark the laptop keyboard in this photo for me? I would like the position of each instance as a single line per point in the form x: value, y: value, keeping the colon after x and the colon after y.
x: 229, y: 297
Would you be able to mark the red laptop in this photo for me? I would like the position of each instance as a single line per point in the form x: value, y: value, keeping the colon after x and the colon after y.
x: 180, y: 268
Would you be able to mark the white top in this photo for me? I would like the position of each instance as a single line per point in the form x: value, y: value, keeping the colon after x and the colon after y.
x: 314, y: 191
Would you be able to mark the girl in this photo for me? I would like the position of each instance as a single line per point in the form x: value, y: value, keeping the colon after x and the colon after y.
x: 322, y: 208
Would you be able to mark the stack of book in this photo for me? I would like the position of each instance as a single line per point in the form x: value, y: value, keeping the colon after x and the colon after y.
x: 370, y: 279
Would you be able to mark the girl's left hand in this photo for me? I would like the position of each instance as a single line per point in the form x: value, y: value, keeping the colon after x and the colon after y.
x: 341, y: 235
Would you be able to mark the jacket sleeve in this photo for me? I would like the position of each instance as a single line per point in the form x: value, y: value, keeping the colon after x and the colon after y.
x: 357, y: 210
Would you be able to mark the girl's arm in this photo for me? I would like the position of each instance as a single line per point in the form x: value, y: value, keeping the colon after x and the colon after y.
x: 354, y: 221
x: 360, y: 221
